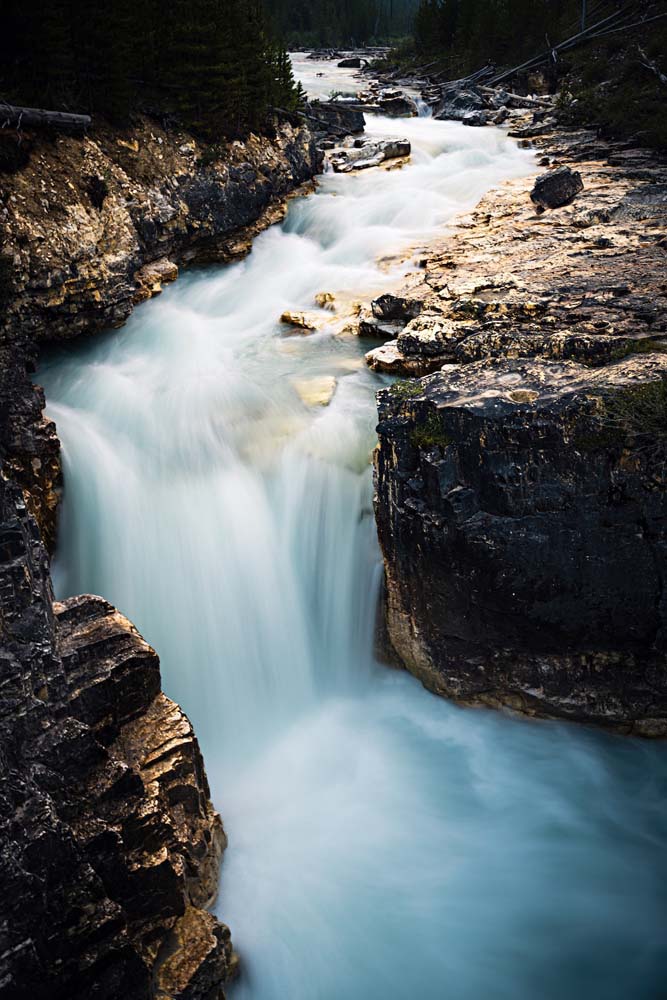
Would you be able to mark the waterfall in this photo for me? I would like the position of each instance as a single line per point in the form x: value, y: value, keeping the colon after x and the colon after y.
x: 382, y: 842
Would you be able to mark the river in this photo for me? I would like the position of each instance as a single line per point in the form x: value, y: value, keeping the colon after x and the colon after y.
x: 384, y: 844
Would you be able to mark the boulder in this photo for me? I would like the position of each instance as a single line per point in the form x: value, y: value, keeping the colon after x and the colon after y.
x: 335, y: 118
x: 475, y: 118
x: 370, y: 154
x: 353, y: 62
x: 556, y: 188
x: 397, y: 105
x: 454, y: 104
x: 521, y: 508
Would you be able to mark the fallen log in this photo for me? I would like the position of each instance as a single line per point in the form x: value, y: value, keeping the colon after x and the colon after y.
x: 12, y: 116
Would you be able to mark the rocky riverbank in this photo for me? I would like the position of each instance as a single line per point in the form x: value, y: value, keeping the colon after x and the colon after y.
x: 521, y: 496
x: 110, y: 844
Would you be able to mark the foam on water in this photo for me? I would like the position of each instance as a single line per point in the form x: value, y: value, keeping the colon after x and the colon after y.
x: 384, y: 845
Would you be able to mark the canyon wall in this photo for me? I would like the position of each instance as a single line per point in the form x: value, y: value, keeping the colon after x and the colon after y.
x: 110, y: 845
x: 521, y: 488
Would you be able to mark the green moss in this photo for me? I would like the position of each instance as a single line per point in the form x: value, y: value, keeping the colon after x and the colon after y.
x: 431, y: 434
x: 407, y: 388
x: 638, y: 412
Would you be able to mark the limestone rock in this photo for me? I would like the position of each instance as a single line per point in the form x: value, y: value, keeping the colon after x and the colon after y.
x: 390, y: 359
x: 370, y: 154
x: 169, y: 200
x: 151, y: 277
x: 520, y: 507
x: 107, y: 832
x: 301, y: 322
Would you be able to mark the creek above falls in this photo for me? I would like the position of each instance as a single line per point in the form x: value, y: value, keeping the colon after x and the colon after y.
x: 383, y: 843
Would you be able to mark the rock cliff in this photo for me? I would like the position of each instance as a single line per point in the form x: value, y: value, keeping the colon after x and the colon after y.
x: 521, y: 494
x: 86, y: 221
x: 110, y: 845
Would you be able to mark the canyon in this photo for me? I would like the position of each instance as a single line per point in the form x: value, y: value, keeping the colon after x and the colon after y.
x: 219, y: 493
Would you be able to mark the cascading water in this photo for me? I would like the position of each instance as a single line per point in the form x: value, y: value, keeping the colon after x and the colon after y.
x: 383, y: 843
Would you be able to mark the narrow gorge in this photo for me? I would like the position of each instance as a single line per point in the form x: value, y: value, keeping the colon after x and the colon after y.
x: 231, y: 462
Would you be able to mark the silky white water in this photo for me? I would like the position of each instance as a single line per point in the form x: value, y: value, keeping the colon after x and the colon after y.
x: 383, y: 844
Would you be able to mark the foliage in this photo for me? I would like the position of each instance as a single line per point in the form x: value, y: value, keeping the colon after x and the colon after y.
x: 608, y: 85
x: 341, y: 22
x: 213, y: 63
x: 635, y: 412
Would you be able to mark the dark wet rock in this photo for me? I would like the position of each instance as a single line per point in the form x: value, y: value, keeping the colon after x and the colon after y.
x: 520, y: 509
x: 557, y: 188
x: 335, y: 119
x: 397, y: 105
x: 521, y: 512
x: 476, y: 118
x: 107, y: 834
x: 455, y: 104
x: 352, y: 62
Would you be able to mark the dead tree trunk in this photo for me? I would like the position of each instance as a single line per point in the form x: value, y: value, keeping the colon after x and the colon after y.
x: 11, y: 116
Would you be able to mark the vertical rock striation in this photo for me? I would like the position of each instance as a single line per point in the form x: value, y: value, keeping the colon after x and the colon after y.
x: 521, y: 512
x: 110, y: 846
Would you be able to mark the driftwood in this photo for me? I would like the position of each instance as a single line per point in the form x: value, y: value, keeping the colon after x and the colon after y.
x: 601, y: 27
x: 11, y: 116
x: 652, y: 66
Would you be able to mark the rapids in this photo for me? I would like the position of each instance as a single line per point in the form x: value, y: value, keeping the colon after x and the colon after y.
x: 383, y: 844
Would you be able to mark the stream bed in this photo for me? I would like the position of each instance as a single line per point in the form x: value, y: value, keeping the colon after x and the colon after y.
x: 384, y: 844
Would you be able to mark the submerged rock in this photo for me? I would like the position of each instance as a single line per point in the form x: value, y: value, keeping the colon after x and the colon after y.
x: 316, y: 391
x: 520, y: 507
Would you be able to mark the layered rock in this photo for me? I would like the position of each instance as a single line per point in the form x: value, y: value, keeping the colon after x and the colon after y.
x: 521, y: 512
x: 521, y: 486
x: 93, y: 225
x: 109, y: 841
x: 110, y: 845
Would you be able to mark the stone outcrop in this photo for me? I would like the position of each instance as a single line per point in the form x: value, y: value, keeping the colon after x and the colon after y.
x: 108, y: 838
x: 521, y: 513
x: 91, y: 226
x: 521, y: 492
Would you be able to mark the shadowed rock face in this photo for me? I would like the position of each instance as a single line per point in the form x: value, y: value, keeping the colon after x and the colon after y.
x: 109, y: 843
x: 521, y: 512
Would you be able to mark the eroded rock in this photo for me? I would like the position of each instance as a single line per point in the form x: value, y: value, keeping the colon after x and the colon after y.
x: 369, y: 154
x: 520, y: 507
